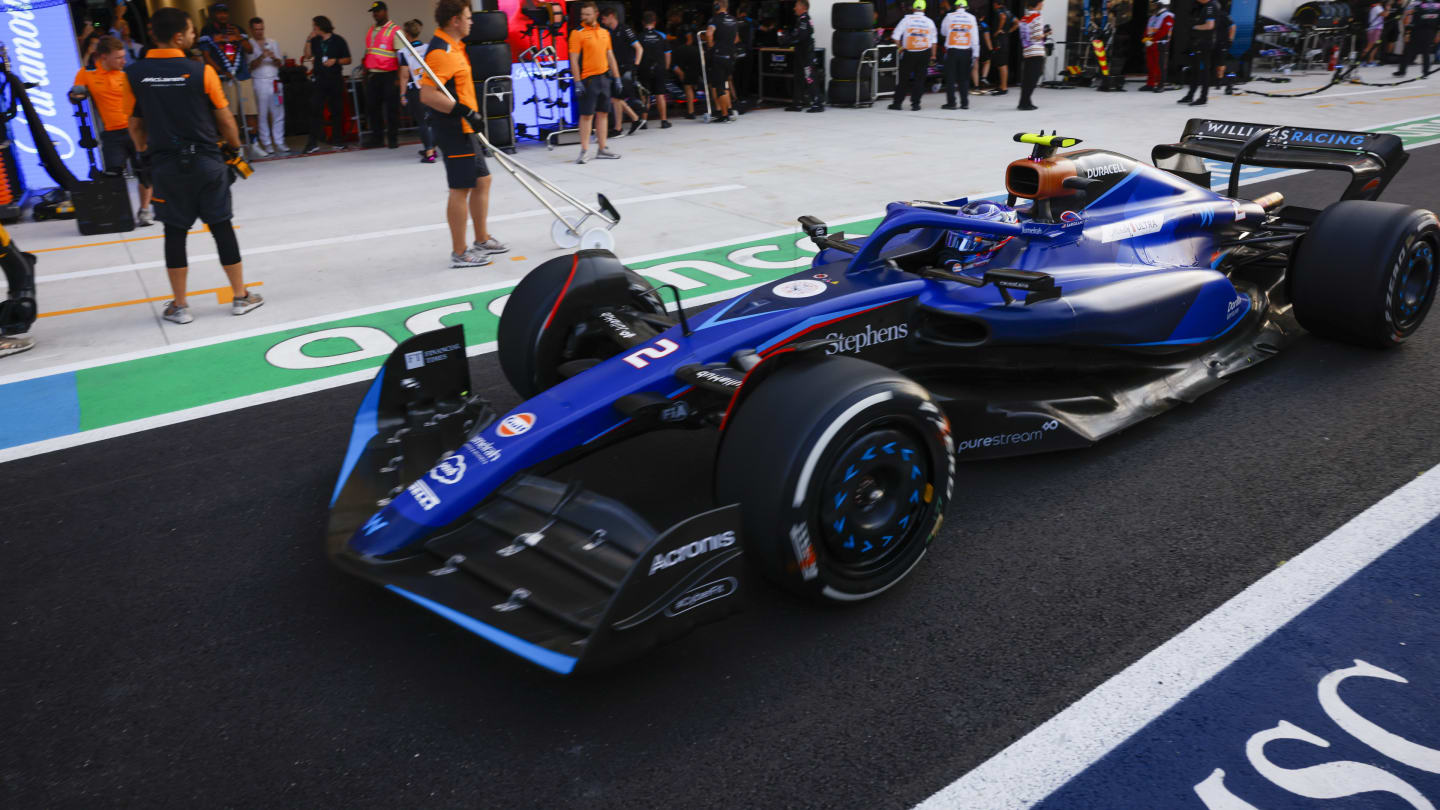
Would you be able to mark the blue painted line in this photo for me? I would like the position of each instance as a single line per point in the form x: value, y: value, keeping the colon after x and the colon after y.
x: 38, y: 409
x: 551, y: 660
x: 1339, y: 702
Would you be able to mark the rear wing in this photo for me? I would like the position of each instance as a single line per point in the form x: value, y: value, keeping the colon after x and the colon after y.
x: 1371, y: 159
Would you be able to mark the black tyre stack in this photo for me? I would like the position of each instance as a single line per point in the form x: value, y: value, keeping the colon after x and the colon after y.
x: 488, y: 48
x: 854, y: 34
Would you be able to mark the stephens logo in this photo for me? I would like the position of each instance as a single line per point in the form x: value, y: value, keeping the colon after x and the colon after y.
x: 515, y: 424
x: 450, y: 470
x: 854, y: 344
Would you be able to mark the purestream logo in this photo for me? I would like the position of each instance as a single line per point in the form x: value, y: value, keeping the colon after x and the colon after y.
x: 1004, y: 439
x: 854, y: 344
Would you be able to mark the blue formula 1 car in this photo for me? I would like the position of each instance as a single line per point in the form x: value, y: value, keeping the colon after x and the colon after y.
x: 1102, y: 292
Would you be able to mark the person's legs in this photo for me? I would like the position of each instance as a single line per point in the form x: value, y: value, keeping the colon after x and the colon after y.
x: 392, y: 110
x: 228, y: 249
x: 456, y: 209
x: 176, y: 263
x: 963, y: 77
x: 1005, y: 75
x: 585, y: 123
x: 1203, y: 68
x: 1030, y: 70
x: 950, y: 72
x: 480, y: 208
x: 602, y: 127
x: 337, y: 115
x: 922, y: 62
x: 374, y: 102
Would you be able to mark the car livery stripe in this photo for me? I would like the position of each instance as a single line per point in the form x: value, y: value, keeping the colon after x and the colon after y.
x: 811, y: 325
x: 735, y: 397
x: 553, y: 661
x: 574, y: 263
x: 1191, y: 341
x: 1123, y: 182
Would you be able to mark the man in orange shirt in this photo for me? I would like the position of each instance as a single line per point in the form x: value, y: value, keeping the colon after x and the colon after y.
x: 455, y: 125
x: 106, y: 86
x: 591, y: 58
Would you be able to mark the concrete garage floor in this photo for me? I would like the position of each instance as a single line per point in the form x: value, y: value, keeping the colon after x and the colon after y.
x: 339, y: 232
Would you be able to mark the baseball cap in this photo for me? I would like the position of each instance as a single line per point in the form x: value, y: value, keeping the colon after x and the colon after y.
x: 219, y: 7
x: 918, y: 5
x: 379, y: 5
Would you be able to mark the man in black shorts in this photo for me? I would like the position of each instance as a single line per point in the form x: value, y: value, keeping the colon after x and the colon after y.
x: 627, y: 56
x: 180, y: 116
x: 107, y: 87
x: 592, y: 62
x: 722, y: 34
x: 455, y: 123
x: 1002, y: 30
x: 655, y: 63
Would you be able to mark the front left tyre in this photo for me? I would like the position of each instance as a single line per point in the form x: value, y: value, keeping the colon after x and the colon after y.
x: 842, y: 470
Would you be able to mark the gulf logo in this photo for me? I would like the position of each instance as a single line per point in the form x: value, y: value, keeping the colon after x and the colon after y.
x: 515, y: 424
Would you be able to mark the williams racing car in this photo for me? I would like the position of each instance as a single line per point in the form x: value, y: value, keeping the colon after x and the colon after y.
x: 1101, y: 292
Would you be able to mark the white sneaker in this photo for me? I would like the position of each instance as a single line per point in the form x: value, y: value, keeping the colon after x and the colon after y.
x: 14, y: 344
x: 144, y: 218
x: 176, y: 314
x: 606, y: 154
x: 470, y: 258
x: 491, y: 246
x: 582, y: 160
x: 240, y: 306
x: 257, y: 151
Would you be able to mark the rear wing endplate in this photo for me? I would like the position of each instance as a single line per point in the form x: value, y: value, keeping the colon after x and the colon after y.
x: 1372, y: 159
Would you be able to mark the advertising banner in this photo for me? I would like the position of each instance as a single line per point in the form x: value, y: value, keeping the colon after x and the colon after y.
x: 39, y: 40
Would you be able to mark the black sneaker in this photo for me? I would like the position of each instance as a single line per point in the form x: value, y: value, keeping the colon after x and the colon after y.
x: 635, y: 126
x: 1027, y: 107
x: 666, y: 125
x: 816, y: 108
x: 965, y: 106
x: 948, y: 107
x: 999, y: 92
x: 689, y: 116
x: 1185, y: 99
x: 1199, y: 102
x: 310, y: 148
x: 794, y: 108
x: 892, y: 107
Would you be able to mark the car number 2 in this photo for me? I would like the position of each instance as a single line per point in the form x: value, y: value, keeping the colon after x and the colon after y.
x: 662, y: 347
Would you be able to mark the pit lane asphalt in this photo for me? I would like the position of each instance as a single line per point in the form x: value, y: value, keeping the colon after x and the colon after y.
x: 173, y: 635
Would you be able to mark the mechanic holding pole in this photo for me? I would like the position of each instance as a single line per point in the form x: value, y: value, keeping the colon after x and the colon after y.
x: 802, y: 62
x: 105, y: 84
x: 180, y: 115
x: 465, y: 171
x: 962, y: 48
x: 916, y: 35
x: 1157, y: 46
x: 591, y: 58
x: 1202, y: 44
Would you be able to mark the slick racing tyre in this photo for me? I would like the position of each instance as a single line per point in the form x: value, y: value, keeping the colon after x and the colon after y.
x: 552, y: 317
x: 1365, y: 272
x: 488, y: 27
x: 842, y: 470
x: 857, y: 16
x: 852, y: 44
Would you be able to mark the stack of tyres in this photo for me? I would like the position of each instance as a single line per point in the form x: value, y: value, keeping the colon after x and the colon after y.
x: 1322, y: 15
x: 854, y: 35
x: 488, y: 48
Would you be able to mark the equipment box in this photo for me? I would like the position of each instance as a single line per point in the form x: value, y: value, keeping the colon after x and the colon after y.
x: 103, y: 206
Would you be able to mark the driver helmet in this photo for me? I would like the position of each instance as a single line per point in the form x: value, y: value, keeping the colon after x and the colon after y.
x: 970, y: 242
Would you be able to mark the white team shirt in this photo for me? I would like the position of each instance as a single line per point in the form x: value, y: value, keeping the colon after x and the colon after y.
x: 961, y: 31
x: 265, y: 71
x: 915, y: 32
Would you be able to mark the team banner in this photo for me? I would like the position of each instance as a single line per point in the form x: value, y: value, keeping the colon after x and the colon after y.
x: 39, y: 38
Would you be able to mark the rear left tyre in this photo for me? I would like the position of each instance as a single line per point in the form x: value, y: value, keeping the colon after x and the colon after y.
x: 842, y: 470
x: 1365, y: 272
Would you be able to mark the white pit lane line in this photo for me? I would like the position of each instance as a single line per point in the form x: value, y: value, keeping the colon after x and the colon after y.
x: 1042, y: 761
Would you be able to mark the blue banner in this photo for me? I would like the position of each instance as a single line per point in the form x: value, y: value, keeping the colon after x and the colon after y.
x: 39, y: 39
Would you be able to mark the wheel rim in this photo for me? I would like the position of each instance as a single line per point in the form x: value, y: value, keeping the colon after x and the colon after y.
x: 873, y: 499
x: 1414, y: 286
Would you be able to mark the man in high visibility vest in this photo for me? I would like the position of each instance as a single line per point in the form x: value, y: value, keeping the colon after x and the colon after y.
x: 381, y: 67
x: 916, y: 35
